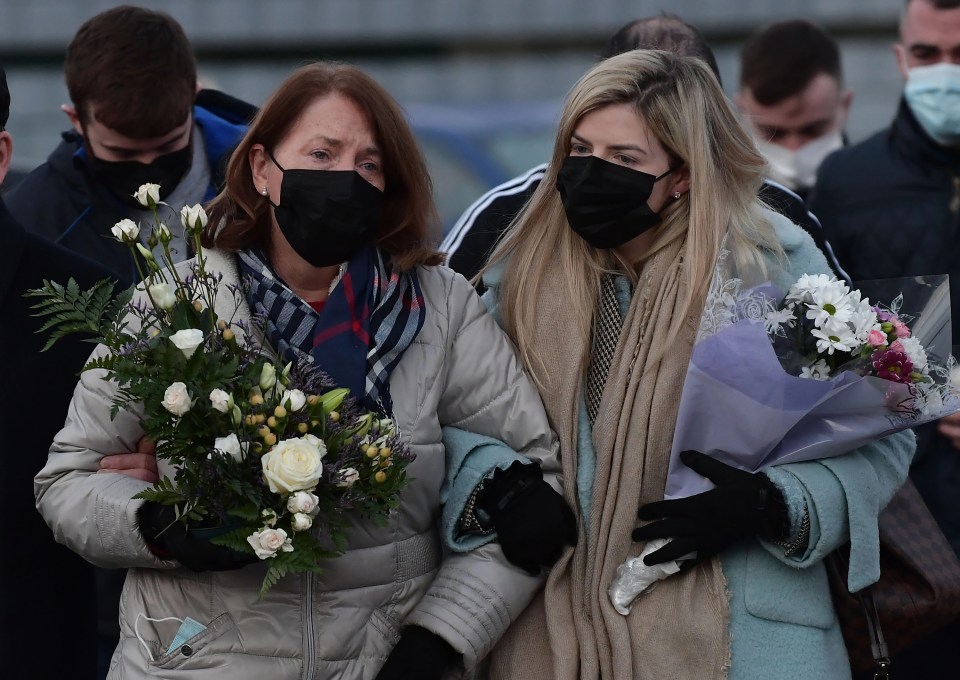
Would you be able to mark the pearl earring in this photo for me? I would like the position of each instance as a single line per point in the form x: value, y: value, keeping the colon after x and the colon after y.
x: 676, y: 194
x: 265, y: 192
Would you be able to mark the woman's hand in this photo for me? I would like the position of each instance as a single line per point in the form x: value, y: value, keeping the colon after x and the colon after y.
x: 141, y: 464
x: 419, y: 654
x: 533, y: 522
x: 743, y: 504
x: 168, y: 538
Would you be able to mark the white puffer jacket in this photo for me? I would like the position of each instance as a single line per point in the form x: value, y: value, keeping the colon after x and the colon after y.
x: 340, y: 625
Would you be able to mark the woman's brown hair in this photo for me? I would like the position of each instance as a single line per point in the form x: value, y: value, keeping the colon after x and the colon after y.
x: 408, y: 231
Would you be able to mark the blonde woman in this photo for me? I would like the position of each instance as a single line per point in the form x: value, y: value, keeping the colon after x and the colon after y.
x: 601, y: 283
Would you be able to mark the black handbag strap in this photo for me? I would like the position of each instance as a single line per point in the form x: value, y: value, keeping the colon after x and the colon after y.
x: 837, y: 563
x: 878, y: 646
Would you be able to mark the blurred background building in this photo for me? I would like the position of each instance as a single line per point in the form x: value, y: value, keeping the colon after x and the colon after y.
x: 482, y: 80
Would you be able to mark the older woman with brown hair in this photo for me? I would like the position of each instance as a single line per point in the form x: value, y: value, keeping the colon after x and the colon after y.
x: 327, y: 217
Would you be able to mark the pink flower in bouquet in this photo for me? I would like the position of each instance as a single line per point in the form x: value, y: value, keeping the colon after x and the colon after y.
x: 877, y: 338
x: 900, y: 329
x: 892, y: 365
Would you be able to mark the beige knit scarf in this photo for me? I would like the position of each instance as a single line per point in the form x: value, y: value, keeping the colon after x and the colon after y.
x: 679, y: 629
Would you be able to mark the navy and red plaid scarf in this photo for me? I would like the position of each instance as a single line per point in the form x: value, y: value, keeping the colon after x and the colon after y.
x: 369, y: 320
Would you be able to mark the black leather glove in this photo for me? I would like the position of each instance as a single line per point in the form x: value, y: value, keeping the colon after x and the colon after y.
x: 742, y: 505
x: 419, y: 654
x: 533, y: 521
x: 167, y: 536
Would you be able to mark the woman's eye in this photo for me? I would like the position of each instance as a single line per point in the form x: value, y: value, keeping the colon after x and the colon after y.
x: 624, y: 160
x: 370, y: 167
x: 320, y: 155
x: 579, y: 149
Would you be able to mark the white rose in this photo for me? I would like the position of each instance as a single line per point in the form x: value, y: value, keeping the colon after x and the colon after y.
x: 162, y: 296
x: 220, y: 400
x: 268, y: 377
x: 125, y: 231
x: 187, y: 341
x: 348, y: 477
x: 293, y: 465
x: 319, y: 443
x: 193, y: 218
x: 163, y: 233
x: 267, y: 542
x: 269, y: 517
x: 148, y: 195
x: 302, y: 502
x: 296, y: 398
x: 231, y: 445
x: 301, y: 522
x: 147, y: 255
x: 176, y: 399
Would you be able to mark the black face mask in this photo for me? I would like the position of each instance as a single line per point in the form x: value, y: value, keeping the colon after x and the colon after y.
x: 124, y: 177
x: 606, y: 203
x: 327, y: 215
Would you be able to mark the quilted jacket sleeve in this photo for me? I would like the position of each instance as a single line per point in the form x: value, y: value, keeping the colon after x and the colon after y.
x: 94, y: 513
x: 477, y: 594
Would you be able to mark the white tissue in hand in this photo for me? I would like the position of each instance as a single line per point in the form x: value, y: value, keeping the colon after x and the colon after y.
x: 634, y: 577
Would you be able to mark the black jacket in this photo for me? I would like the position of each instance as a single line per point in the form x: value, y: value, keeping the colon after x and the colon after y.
x: 63, y: 202
x: 472, y: 239
x: 48, y: 608
x: 891, y: 208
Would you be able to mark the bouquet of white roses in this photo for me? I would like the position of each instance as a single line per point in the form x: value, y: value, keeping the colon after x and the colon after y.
x: 269, y: 458
x: 816, y: 373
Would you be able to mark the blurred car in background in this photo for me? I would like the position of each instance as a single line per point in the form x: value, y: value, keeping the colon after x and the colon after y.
x: 472, y: 148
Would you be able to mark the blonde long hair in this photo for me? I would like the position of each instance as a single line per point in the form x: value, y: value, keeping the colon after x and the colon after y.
x: 682, y: 104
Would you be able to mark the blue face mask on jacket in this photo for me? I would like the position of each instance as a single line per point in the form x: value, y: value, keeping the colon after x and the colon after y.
x: 933, y: 95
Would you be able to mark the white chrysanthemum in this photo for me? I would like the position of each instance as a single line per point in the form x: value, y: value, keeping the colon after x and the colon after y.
x: 863, y: 320
x: 806, y: 285
x: 831, y: 302
x: 930, y: 402
x: 818, y: 371
x: 914, y: 350
x: 834, y: 336
x: 777, y: 318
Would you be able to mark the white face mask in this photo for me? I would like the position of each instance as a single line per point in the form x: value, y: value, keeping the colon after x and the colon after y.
x: 797, y: 169
x: 933, y: 94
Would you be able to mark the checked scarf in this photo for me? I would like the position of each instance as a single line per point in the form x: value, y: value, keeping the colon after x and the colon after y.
x: 370, y: 318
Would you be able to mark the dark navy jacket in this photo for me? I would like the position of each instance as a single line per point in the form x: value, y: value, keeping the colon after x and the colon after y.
x: 890, y: 207
x: 61, y: 201
x: 48, y: 611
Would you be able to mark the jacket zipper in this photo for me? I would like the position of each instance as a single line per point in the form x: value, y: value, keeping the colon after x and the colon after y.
x: 955, y: 199
x: 309, y: 651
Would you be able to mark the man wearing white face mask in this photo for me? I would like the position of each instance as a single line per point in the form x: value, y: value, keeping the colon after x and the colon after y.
x: 793, y: 100
x: 891, y: 207
x: 473, y: 237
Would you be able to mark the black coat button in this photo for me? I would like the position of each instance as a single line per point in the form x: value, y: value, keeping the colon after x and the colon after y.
x: 186, y: 650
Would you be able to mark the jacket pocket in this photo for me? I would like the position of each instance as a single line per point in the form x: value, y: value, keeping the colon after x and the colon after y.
x: 220, y: 637
x: 778, y: 592
x: 383, y: 632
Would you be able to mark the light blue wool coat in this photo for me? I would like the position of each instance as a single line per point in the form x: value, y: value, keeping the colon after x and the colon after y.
x: 782, y: 622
